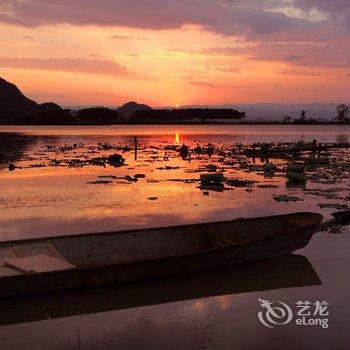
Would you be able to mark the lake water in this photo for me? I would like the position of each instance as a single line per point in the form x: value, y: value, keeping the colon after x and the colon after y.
x: 56, y: 190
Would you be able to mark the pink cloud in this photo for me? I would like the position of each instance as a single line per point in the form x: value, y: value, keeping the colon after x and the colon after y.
x: 330, y: 54
x: 81, y: 65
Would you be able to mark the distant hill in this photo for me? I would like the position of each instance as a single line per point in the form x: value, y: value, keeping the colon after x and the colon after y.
x: 127, y: 110
x: 277, y: 111
x: 15, y: 106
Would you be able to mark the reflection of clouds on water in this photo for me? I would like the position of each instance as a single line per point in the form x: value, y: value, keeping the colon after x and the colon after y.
x: 202, y: 289
x: 181, y: 312
x: 198, y: 305
x: 46, y: 193
x: 12, y: 147
x: 224, y: 302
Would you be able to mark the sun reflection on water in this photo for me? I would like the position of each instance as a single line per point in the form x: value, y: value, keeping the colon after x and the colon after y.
x: 177, y: 139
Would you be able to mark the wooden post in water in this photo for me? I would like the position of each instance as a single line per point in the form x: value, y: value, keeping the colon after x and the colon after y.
x: 135, y: 145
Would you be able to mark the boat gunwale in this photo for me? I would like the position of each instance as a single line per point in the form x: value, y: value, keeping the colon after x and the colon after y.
x: 147, y: 229
x: 178, y: 256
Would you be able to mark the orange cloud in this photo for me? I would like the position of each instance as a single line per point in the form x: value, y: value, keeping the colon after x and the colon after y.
x: 167, y: 52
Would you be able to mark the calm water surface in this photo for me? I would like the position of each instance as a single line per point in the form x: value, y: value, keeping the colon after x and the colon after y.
x: 206, y: 311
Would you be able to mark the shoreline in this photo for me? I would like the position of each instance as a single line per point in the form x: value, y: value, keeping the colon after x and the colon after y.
x: 189, y: 123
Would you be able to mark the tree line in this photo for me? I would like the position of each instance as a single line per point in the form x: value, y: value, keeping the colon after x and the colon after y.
x: 343, y: 111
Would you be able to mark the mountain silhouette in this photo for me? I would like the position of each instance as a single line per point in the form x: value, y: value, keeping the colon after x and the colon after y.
x: 15, y: 106
x: 128, y: 109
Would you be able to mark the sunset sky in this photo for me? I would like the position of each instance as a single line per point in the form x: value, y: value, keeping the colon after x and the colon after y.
x: 168, y: 52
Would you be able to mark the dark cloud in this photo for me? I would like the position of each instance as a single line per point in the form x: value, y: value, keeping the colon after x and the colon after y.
x: 303, y: 54
x: 299, y: 32
x: 328, y: 6
x: 207, y: 84
x: 126, y: 37
x: 228, y: 70
x: 278, y: 86
x: 298, y: 72
x: 293, y: 58
x: 221, y: 16
x: 28, y: 37
x: 338, y: 11
x: 81, y: 65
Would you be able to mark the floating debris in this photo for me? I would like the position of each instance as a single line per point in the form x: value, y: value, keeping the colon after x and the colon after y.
x: 269, y: 168
x: 115, y: 160
x: 336, y: 225
x: 342, y: 217
x: 267, y: 186
x: 239, y: 183
x: 139, y: 176
x: 216, y: 187
x: 131, y: 179
x: 55, y: 162
x: 333, y: 206
x: 168, y: 168
x: 184, y: 151
x: 296, y: 168
x: 109, y: 177
x: 215, y: 178
x: 99, y: 182
x: 187, y: 181
x: 211, y: 168
x: 286, y: 198
x: 296, y: 177
x: 229, y: 168
x: 100, y: 161
x: 296, y: 173
x: 205, y: 150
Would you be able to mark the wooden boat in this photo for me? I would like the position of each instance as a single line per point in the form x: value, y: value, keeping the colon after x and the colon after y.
x: 42, y: 264
x: 287, y: 271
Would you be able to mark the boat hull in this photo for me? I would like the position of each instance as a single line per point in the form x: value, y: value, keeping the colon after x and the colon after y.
x: 115, y: 273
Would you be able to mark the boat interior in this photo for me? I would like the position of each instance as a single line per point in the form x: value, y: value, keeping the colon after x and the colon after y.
x: 50, y: 254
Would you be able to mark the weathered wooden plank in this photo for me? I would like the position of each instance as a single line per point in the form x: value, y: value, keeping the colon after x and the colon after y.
x: 9, y: 271
x: 39, y: 263
x: 47, y: 249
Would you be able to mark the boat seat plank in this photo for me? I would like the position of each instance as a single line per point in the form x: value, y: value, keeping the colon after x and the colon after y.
x: 6, y: 254
x: 39, y: 263
x: 27, y: 250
